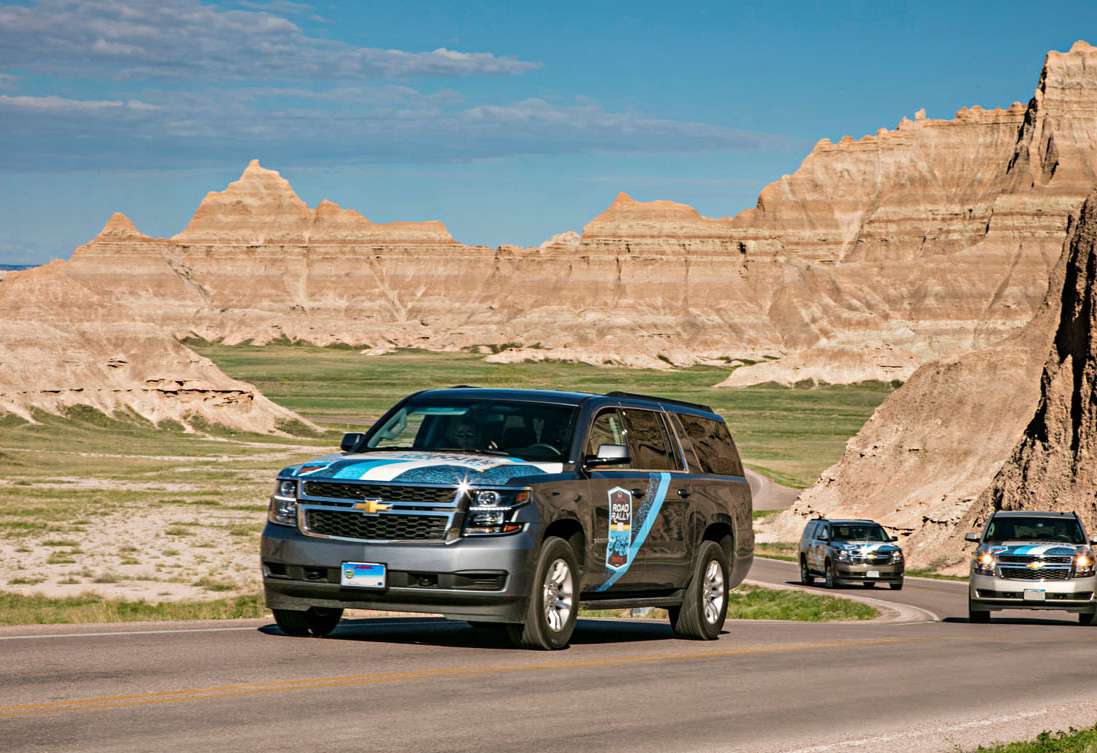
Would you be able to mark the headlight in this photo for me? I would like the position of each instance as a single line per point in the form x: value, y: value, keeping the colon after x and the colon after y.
x: 897, y: 556
x: 283, y: 503
x: 491, y: 512
x: 984, y: 563
x: 843, y: 554
x: 1083, y: 564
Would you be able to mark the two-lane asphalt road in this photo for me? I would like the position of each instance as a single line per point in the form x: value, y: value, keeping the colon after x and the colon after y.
x: 429, y: 685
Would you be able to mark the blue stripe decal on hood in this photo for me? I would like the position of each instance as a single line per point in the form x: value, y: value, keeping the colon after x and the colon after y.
x: 645, y: 529
x: 355, y: 469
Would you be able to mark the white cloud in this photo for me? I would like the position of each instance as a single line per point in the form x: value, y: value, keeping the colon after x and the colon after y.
x: 61, y: 104
x: 8, y: 81
x: 191, y: 39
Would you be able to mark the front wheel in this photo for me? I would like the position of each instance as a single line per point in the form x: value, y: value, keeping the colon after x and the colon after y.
x: 805, y: 574
x: 974, y: 614
x: 316, y: 621
x: 896, y: 585
x: 705, y: 607
x: 553, y: 600
x: 1086, y: 618
x: 831, y: 577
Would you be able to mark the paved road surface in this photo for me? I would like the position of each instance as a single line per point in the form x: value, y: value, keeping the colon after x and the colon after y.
x: 768, y: 494
x: 430, y: 685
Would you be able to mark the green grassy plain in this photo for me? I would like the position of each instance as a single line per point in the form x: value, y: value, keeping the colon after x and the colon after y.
x: 788, y: 433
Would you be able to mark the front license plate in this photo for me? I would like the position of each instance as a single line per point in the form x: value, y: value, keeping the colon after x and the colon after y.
x: 872, y: 574
x: 362, y: 575
x: 1033, y: 595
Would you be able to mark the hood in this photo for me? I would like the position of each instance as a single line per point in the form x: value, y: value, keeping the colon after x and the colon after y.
x: 869, y: 547
x: 1029, y: 549
x: 423, y: 467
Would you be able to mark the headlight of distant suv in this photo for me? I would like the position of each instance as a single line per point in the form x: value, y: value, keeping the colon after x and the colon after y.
x: 897, y: 555
x: 843, y: 555
x: 491, y: 511
x: 1083, y: 564
x: 984, y: 563
x: 283, y: 503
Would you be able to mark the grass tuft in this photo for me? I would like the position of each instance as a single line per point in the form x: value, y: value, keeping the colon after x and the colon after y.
x: 1071, y: 741
x: 17, y: 609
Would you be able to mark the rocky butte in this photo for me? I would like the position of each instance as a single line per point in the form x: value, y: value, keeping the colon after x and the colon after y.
x: 876, y: 256
x: 1010, y: 426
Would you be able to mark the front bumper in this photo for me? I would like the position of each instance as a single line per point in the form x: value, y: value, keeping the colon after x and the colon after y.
x: 471, y: 578
x: 993, y: 593
x: 891, y: 572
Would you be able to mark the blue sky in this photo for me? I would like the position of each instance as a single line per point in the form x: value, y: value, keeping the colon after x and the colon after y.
x: 509, y: 122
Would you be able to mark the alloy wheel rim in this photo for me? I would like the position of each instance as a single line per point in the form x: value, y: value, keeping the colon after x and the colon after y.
x: 713, y: 592
x: 559, y: 592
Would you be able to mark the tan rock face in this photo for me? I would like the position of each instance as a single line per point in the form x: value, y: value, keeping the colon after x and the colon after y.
x: 876, y: 256
x: 983, y: 432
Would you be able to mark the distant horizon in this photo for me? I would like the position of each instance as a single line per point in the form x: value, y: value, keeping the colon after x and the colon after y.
x: 509, y: 125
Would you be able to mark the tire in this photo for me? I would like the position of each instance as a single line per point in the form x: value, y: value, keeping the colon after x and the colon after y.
x: 1086, y: 618
x: 316, y: 621
x: 553, y: 599
x: 705, y: 607
x: 831, y: 578
x: 805, y: 574
x: 869, y: 584
x: 896, y: 585
x: 977, y: 615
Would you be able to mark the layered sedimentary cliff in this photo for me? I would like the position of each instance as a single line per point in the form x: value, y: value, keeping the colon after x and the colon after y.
x: 876, y: 256
x: 983, y: 432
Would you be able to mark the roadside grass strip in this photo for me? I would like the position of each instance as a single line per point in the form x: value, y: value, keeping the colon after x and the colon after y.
x: 86, y: 609
x: 1071, y: 741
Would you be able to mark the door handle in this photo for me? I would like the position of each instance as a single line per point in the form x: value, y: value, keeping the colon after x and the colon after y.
x: 638, y: 492
x: 683, y: 492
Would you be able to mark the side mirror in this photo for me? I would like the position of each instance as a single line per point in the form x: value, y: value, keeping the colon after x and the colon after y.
x: 824, y: 536
x: 608, y: 454
x: 353, y: 441
x: 1093, y: 542
x: 894, y: 538
x: 972, y: 537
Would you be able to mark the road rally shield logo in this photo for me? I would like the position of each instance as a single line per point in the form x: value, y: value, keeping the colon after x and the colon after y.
x: 620, y: 528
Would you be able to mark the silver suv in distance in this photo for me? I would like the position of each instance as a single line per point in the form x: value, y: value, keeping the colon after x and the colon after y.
x: 1032, y: 560
x: 850, y: 551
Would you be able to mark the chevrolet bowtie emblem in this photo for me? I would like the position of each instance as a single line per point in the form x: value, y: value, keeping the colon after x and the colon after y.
x: 1036, y: 565
x: 371, y: 506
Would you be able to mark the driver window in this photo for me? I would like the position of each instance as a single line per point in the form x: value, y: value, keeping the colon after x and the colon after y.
x: 608, y: 428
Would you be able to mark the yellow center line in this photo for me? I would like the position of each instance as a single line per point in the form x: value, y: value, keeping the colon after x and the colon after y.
x: 245, y: 689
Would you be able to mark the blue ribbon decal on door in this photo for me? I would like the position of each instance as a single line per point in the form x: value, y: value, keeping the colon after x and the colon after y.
x: 655, y: 503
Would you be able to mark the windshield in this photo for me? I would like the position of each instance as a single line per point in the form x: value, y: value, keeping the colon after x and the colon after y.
x: 530, y: 431
x: 859, y: 532
x: 1065, y: 530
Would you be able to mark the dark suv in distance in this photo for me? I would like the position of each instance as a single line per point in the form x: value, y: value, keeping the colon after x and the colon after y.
x: 507, y: 508
x: 850, y: 551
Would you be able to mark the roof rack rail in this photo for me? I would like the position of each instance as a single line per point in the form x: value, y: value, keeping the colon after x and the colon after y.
x: 684, y: 403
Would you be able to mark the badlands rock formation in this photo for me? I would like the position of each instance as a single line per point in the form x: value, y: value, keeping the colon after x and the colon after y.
x: 876, y: 256
x: 58, y: 349
x: 983, y: 432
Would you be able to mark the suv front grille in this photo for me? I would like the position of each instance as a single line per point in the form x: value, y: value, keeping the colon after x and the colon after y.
x: 355, y: 525
x: 1040, y: 573
x: 384, y: 492
x: 1025, y: 559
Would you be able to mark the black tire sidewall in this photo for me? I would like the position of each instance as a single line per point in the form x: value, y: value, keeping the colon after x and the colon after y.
x: 712, y: 552
x: 553, y: 549
x: 831, y: 581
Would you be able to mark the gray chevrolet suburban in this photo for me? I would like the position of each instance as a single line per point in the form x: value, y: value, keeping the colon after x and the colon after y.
x: 850, y: 551
x: 509, y: 508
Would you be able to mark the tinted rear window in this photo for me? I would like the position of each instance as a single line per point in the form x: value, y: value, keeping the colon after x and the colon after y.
x: 712, y: 444
x: 649, y: 442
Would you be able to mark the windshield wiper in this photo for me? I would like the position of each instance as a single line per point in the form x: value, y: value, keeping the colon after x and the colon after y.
x: 501, y: 453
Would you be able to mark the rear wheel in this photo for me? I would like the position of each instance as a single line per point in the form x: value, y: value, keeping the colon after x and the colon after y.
x: 831, y: 576
x: 553, y: 600
x: 317, y: 621
x: 974, y: 614
x: 1086, y: 618
x: 705, y: 607
x: 805, y: 574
